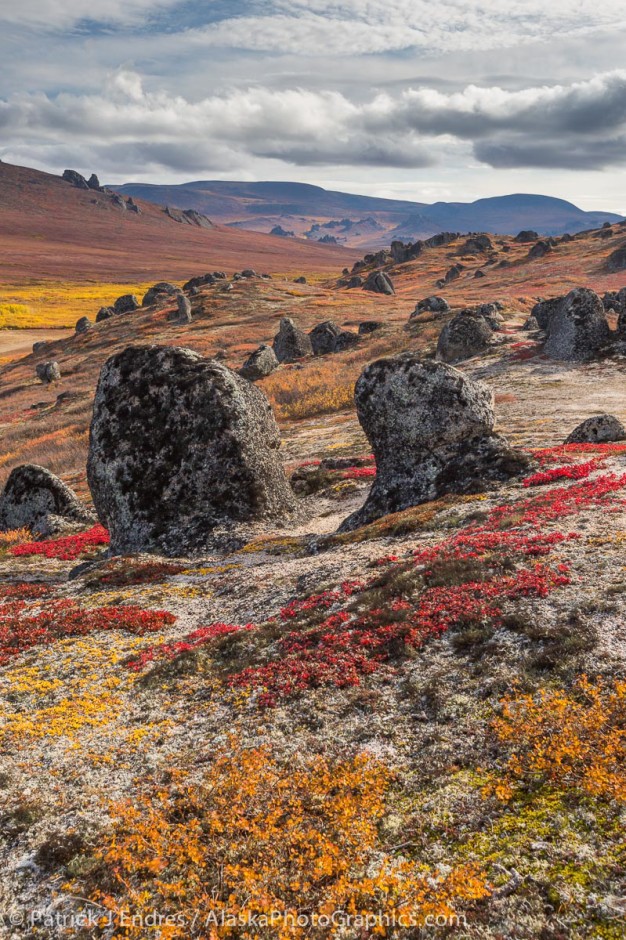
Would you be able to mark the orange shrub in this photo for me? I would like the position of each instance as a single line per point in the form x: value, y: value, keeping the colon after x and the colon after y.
x: 574, y: 740
x: 255, y: 838
x: 316, y: 389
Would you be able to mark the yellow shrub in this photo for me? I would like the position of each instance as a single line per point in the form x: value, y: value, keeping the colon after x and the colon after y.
x: 57, y: 303
x: 257, y: 838
x: 313, y: 390
x: 574, y: 740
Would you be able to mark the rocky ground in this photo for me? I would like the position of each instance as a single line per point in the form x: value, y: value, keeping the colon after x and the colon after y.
x: 472, y: 648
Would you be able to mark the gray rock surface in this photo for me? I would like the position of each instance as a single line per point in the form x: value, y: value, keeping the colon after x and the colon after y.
x: 35, y: 499
x: 432, y: 432
x: 291, y: 343
x: 467, y: 334
x: 578, y: 328
x: 182, y: 313
x: 83, y: 325
x: 180, y: 445
x: 105, y: 313
x: 163, y: 290
x: 432, y: 304
x: 260, y: 363
x: 600, y: 429
x: 544, y: 311
x: 346, y: 340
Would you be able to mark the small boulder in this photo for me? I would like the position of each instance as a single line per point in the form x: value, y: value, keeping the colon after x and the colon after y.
x: 248, y: 273
x: 355, y: 281
x: 182, y: 313
x: 323, y: 337
x: 601, y: 429
x: 468, y: 334
x: 477, y: 244
x: 48, y: 372
x: 490, y: 313
x: 75, y: 178
x: 94, y: 183
x: 526, y: 235
x: 259, y: 364
x: 105, y: 313
x: 300, y: 280
x: 578, y: 328
x: 431, y: 429
x: 454, y: 273
x: 379, y: 283
x: 346, y: 340
x: 432, y: 304
x: 83, y: 325
x: 531, y: 325
x: 35, y: 499
x: 540, y: 249
x: 126, y: 304
x: 180, y: 445
x: 370, y: 326
x: 40, y: 346
x: 291, y: 343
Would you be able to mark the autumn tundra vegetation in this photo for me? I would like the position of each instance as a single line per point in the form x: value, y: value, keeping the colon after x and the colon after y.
x: 335, y: 652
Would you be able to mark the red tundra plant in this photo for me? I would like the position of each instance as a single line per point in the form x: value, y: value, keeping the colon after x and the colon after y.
x: 200, y: 637
x: 565, y: 453
x: 23, y: 626
x: 66, y: 548
x: 577, y: 471
x: 358, y: 473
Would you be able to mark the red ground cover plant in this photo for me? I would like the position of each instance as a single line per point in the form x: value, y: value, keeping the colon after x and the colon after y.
x: 24, y: 626
x: 66, y: 548
x: 565, y: 453
x: 200, y: 637
x: 358, y: 473
x: 577, y: 471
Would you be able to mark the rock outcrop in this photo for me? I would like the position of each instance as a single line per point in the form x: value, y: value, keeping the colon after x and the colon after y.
x: 616, y: 260
x: 259, y: 364
x: 126, y: 303
x: 180, y: 445
x: 544, y: 311
x: 600, y: 429
x: 526, y: 235
x: 105, y: 313
x: 467, y: 334
x: 432, y: 432
x: 75, y: 178
x: 578, y: 328
x: 83, y: 325
x: 35, y: 499
x: 291, y: 343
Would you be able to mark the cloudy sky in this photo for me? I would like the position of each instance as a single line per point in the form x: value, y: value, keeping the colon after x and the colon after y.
x: 451, y: 100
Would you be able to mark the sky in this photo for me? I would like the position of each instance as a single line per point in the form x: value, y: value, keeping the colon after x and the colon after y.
x: 454, y: 100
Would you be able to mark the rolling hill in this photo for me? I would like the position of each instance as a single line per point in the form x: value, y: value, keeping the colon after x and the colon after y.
x: 296, y: 207
x: 51, y: 230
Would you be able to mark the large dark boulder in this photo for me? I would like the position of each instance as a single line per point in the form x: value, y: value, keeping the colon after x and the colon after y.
x: 48, y: 372
x: 526, y: 235
x: 600, y: 429
x: 544, y: 311
x: 379, y: 283
x: 477, y: 244
x: 323, y: 337
x: 180, y: 445
x: 126, y: 304
x: 540, y: 249
x: 467, y: 334
x: 259, y: 364
x: 291, y: 343
x: 578, y: 329
x: 161, y: 291
x: 75, y: 178
x: 35, y: 499
x: 105, y: 313
x: 432, y: 432
x: 616, y: 260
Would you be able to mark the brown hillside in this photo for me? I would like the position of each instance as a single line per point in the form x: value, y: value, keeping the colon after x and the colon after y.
x: 51, y: 230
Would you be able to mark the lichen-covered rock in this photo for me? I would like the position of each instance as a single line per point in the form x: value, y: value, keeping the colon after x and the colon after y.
x: 531, y: 324
x: 477, y: 244
x: 323, y: 337
x: 432, y: 432
x: 291, y: 343
x: 48, y: 372
x: 126, y: 303
x: 370, y: 326
x: 346, y: 340
x: 616, y: 260
x: 467, y: 334
x: 35, y: 499
x: 83, y: 325
x: 260, y: 363
x: 105, y: 313
x: 182, y: 313
x: 163, y: 290
x: 540, y: 249
x: 526, y: 235
x: 600, y: 429
x: 490, y: 313
x: 180, y: 445
x: 578, y: 328
x: 379, y: 283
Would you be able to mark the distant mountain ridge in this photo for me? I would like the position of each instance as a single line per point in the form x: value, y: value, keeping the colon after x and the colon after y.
x: 298, y: 207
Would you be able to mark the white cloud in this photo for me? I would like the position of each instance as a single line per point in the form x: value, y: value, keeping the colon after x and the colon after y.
x: 577, y: 126
x: 59, y: 14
